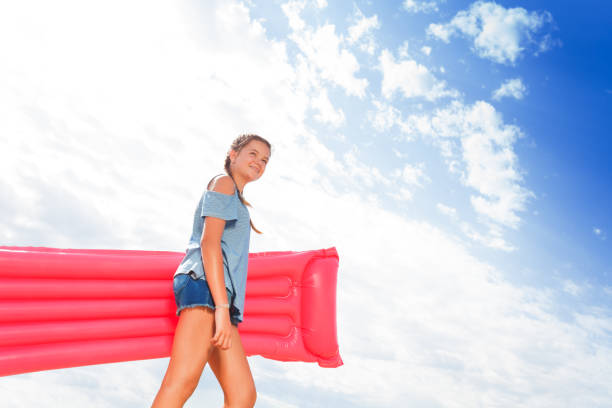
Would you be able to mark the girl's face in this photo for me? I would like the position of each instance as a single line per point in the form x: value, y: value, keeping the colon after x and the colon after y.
x: 252, y: 160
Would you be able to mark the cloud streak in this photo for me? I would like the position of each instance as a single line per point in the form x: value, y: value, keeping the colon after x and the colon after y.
x: 498, y: 34
x: 510, y: 88
x: 479, y: 147
x: 411, y: 79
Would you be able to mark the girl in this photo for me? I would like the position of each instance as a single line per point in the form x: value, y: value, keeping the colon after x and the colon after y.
x: 216, y: 259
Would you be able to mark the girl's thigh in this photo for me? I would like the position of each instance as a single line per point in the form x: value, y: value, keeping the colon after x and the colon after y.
x: 191, y: 345
x: 232, y: 371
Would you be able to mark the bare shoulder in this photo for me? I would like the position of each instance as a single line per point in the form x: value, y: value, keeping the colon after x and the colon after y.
x: 223, y: 184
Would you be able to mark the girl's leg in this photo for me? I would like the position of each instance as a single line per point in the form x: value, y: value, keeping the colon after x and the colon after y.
x: 234, y: 374
x: 191, y: 348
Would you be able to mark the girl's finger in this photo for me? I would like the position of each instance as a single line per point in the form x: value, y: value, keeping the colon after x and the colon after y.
x: 218, y: 340
x: 215, y: 338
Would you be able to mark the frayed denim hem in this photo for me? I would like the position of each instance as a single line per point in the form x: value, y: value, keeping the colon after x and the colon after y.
x: 178, y: 310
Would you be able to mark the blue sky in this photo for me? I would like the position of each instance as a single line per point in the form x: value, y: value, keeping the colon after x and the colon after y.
x: 563, y: 117
x: 455, y: 153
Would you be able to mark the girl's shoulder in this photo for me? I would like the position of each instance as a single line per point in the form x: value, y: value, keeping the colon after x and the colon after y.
x: 222, y: 183
x: 220, y: 201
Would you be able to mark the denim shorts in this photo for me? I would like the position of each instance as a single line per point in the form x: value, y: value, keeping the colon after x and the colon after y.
x: 190, y: 292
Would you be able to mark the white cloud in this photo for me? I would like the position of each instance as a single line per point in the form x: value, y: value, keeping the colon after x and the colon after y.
x: 446, y: 210
x: 323, y: 48
x: 292, y: 10
x: 453, y: 318
x: 572, y: 288
x: 362, y: 26
x: 384, y: 116
x: 402, y: 50
x: 411, y: 78
x: 98, y: 122
x: 599, y: 233
x: 326, y: 112
x: 407, y: 179
x: 441, y: 31
x: 398, y: 154
x: 478, y: 137
x: 492, y: 239
x: 412, y: 175
x: 360, y: 173
x: 498, y: 34
x: 401, y: 194
x: 426, y: 50
x: 512, y: 87
x: 361, y: 32
x: 419, y: 6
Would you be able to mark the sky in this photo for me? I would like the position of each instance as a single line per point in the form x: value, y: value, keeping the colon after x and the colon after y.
x: 455, y: 153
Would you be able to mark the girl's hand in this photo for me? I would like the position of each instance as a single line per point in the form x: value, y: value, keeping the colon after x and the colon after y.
x: 223, y: 329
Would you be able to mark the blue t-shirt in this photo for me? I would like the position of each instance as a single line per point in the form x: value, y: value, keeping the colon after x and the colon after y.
x: 234, y: 242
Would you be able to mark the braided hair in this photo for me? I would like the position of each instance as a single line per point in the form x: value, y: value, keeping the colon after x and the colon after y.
x: 237, y: 145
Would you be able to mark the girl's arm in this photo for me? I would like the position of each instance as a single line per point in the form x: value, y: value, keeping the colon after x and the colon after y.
x: 212, y: 257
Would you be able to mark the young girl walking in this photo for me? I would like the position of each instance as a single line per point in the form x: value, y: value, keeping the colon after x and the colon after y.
x: 209, y: 285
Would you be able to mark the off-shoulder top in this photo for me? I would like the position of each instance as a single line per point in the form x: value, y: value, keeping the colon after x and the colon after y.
x: 234, y: 242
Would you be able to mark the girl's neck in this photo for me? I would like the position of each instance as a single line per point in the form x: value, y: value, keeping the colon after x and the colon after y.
x: 239, y: 182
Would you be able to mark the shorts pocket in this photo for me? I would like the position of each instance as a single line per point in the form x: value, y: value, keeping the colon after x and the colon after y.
x: 180, y: 281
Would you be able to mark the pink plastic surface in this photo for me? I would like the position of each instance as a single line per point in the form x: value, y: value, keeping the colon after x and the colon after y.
x: 72, y: 307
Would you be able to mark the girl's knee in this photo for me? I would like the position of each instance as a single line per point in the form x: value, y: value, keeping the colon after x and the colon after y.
x: 182, y: 386
x: 252, y: 396
x: 246, y: 400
